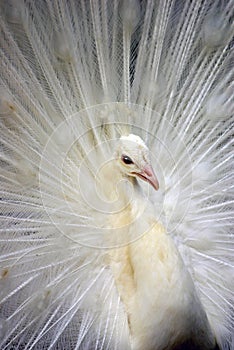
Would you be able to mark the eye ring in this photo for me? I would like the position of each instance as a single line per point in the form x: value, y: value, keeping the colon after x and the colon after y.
x: 127, y: 160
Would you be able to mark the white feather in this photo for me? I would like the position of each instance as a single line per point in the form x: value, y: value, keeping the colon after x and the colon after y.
x: 81, y: 266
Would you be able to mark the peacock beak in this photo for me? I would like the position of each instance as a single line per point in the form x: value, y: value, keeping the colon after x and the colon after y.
x: 148, y: 175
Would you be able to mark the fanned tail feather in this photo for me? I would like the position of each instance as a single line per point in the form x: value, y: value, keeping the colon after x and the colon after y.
x: 76, y: 75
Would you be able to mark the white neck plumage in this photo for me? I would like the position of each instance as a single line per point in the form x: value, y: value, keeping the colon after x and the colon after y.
x: 157, y: 291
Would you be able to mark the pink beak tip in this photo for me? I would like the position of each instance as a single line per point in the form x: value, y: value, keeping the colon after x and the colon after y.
x: 149, y: 176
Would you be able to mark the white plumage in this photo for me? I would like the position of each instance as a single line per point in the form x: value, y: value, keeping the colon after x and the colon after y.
x: 116, y: 175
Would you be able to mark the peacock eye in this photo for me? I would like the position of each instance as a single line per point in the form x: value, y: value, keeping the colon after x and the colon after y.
x: 127, y: 160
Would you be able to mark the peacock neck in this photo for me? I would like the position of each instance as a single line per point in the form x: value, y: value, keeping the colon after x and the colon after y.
x: 155, y: 287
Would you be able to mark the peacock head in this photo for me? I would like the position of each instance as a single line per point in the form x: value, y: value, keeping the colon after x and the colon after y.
x: 133, y: 159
